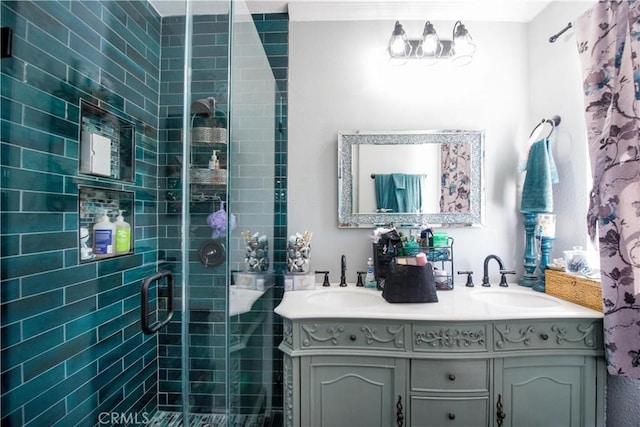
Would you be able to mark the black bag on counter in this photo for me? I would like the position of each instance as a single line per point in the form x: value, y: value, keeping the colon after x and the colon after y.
x: 410, y: 284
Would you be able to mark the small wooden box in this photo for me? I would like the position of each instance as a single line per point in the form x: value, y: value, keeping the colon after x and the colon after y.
x: 575, y: 289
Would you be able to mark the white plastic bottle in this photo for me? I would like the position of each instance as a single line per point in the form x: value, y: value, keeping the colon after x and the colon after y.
x: 104, y: 232
x: 214, y: 163
x: 370, y: 278
x: 123, y: 235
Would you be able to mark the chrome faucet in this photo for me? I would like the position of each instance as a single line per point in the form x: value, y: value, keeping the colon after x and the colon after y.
x: 485, y: 271
x: 343, y: 271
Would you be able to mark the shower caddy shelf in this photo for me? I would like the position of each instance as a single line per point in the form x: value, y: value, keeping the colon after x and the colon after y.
x: 208, y: 185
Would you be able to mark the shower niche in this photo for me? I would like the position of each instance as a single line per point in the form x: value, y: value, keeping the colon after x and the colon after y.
x: 93, y: 204
x: 106, y: 144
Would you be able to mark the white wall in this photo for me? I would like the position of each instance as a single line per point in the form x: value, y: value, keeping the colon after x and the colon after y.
x: 340, y: 80
x: 555, y: 88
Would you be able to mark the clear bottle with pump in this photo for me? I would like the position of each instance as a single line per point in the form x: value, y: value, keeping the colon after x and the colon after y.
x: 370, y: 278
x: 123, y: 235
x: 104, y: 232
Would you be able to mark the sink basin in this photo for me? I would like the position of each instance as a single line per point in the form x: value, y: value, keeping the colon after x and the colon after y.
x: 344, y: 298
x: 241, y: 300
x: 514, y: 298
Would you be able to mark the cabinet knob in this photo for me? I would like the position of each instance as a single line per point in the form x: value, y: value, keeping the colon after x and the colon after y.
x: 352, y: 337
x: 452, y: 416
x: 452, y: 377
x: 544, y: 336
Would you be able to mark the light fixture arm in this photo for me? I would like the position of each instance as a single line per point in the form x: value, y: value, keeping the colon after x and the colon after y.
x: 455, y: 28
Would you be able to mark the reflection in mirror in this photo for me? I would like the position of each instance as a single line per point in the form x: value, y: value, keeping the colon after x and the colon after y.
x: 410, y: 178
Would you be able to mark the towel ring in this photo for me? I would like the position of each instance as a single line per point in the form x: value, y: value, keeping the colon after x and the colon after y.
x: 553, y: 121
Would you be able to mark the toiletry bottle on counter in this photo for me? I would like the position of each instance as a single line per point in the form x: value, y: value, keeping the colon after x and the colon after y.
x: 104, y: 232
x: 370, y: 278
x: 123, y: 235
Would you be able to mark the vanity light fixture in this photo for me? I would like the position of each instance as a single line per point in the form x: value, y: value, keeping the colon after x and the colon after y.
x: 430, y: 47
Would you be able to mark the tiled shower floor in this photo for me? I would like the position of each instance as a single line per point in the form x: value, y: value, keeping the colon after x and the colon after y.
x: 174, y: 419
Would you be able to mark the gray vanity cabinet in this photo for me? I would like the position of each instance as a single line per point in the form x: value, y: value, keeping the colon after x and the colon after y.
x: 350, y: 391
x: 350, y: 372
x: 554, y: 381
x: 546, y: 391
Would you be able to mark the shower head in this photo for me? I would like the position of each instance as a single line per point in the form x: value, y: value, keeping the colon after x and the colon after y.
x: 204, y: 107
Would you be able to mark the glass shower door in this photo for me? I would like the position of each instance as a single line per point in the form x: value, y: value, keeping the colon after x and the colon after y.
x: 227, y: 178
x: 253, y: 288
x: 193, y: 350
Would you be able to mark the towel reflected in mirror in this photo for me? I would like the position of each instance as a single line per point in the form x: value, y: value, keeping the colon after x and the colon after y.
x: 399, y: 192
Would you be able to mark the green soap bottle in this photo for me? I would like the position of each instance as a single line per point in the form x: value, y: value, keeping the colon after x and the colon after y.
x: 123, y: 235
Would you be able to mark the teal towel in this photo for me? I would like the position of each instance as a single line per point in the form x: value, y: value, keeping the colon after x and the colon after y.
x: 385, y: 193
x: 398, y: 192
x: 537, y: 192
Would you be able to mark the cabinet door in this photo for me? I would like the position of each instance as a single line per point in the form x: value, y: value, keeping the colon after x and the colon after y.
x: 350, y: 391
x: 545, y: 391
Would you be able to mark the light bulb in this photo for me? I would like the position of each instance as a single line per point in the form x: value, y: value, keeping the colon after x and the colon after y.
x: 430, y: 44
x: 430, y: 40
x: 398, y: 42
x: 397, y: 46
x: 462, y: 42
x: 464, y: 46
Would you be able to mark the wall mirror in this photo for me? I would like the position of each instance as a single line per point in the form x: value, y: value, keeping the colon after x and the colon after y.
x: 410, y: 178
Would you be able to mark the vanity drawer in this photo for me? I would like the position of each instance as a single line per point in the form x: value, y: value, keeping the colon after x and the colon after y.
x: 464, y: 412
x: 450, y: 375
x: 449, y: 338
x: 337, y: 334
x: 560, y: 334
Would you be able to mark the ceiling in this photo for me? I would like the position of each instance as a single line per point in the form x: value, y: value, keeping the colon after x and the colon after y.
x: 351, y: 10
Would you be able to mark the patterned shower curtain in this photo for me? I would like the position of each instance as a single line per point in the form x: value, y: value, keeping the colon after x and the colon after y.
x: 608, y: 40
x: 455, y: 182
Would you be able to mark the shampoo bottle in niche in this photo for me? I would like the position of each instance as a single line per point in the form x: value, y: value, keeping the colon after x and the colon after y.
x: 104, y: 232
x: 123, y: 235
x: 370, y: 278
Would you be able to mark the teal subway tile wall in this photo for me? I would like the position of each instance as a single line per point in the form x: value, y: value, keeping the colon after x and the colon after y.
x: 71, y: 341
x: 65, y: 325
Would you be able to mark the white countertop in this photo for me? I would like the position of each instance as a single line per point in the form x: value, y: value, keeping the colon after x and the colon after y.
x: 461, y: 304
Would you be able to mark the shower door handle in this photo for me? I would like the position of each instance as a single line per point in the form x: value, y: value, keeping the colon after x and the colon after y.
x: 144, y: 302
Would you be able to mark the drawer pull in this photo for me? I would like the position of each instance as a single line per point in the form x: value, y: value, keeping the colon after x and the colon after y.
x: 544, y: 336
x: 452, y: 416
x: 452, y: 377
x: 352, y: 337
